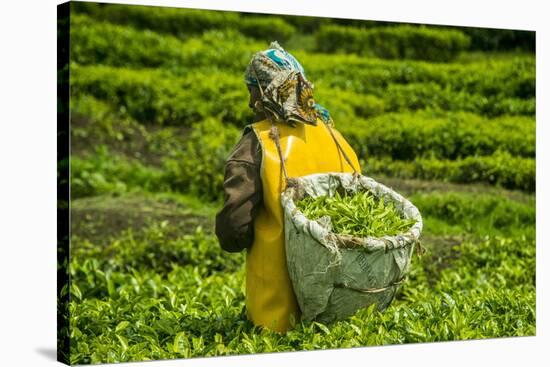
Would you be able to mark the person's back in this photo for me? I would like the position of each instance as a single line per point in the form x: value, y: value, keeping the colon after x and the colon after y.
x: 254, y: 181
x: 270, y: 300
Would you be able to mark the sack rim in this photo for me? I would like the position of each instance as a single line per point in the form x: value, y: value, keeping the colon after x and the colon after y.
x: 346, y: 241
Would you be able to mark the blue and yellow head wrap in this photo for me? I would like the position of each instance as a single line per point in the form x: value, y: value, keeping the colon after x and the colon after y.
x: 287, y: 92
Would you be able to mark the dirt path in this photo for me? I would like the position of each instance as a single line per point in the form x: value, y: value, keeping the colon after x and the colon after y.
x: 102, y: 218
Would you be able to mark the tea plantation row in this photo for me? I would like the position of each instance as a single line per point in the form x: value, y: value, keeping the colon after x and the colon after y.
x: 384, y: 38
x: 153, y: 295
x: 103, y: 43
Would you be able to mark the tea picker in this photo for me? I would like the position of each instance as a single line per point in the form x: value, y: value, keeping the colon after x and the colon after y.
x: 298, y: 268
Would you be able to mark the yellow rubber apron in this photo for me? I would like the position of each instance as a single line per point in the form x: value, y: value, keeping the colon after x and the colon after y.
x: 270, y: 299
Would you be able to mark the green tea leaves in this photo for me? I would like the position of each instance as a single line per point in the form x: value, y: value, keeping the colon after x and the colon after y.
x: 360, y: 214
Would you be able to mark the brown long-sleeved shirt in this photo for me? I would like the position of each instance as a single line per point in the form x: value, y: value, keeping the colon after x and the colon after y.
x: 243, y: 194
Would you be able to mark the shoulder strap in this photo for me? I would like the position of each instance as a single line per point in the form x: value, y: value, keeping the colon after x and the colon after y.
x: 246, y: 129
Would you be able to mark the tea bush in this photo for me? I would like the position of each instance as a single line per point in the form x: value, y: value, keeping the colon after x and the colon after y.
x: 104, y: 43
x: 407, y: 136
x: 396, y: 42
x: 430, y: 95
x: 97, y: 122
x: 510, y: 77
x: 487, y: 39
x: 199, y: 167
x: 106, y: 173
x: 97, y: 42
x: 154, y: 97
x: 475, y: 213
x: 184, y: 23
x: 127, y: 305
x: 458, y: 148
x: 498, y: 169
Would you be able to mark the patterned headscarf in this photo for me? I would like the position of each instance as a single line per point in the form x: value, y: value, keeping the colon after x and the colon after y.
x: 287, y: 94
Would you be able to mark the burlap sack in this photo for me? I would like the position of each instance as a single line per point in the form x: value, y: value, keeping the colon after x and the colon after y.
x: 335, y: 275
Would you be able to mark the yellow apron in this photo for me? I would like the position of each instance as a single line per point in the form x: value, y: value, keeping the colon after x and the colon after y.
x: 270, y: 299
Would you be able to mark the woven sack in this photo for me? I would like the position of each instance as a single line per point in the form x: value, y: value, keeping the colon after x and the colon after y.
x: 334, y: 275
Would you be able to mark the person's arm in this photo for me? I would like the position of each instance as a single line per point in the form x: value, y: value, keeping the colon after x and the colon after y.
x: 243, y: 195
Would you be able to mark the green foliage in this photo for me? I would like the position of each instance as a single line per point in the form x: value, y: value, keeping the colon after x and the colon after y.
x: 487, y: 39
x: 153, y: 250
x: 306, y: 24
x: 398, y: 42
x: 417, y: 96
x: 122, y: 46
x: 500, y: 168
x: 93, y: 43
x: 154, y: 97
x: 97, y: 120
x: 135, y: 300
x: 106, y: 173
x: 266, y: 29
x: 183, y: 23
x: 96, y: 42
x: 199, y: 167
x: 130, y: 306
x: 360, y: 214
x: 346, y: 106
x: 474, y: 213
x: 513, y: 77
x: 443, y: 135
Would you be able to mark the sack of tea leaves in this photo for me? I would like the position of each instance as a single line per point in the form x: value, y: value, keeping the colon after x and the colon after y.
x: 349, y: 242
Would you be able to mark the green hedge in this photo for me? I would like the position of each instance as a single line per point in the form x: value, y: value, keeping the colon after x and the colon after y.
x: 355, y: 34
x: 487, y: 39
x: 345, y: 106
x: 400, y: 42
x: 443, y: 135
x: 198, y: 168
x: 103, y: 43
x: 183, y: 23
x: 105, y: 173
x: 306, y: 24
x: 123, y: 313
x: 266, y: 29
x: 97, y: 121
x: 95, y: 42
x: 418, y: 96
x: 478, y: 213
x: 499, y: 169
x: 510, y: 78
x: 155, y: 97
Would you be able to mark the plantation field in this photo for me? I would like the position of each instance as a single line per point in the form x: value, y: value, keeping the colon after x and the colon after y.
x: 446, y: 116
